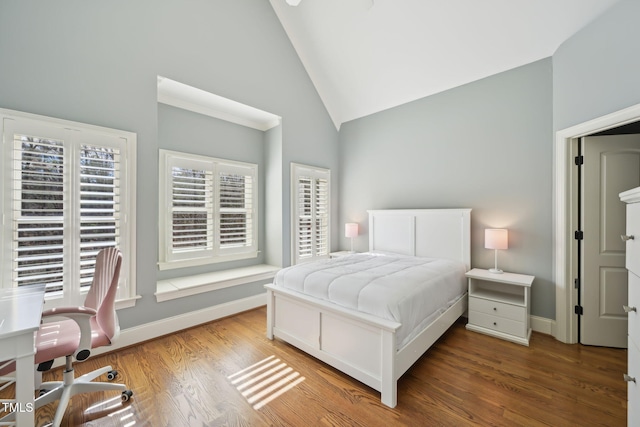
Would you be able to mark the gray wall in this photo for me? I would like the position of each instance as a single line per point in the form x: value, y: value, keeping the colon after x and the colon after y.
x: 274, y: 191
x: 597, y: 71
x: 485, y: 146
x: 97, y: 62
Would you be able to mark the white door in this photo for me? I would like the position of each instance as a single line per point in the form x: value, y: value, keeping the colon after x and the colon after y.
x: 611, y: 165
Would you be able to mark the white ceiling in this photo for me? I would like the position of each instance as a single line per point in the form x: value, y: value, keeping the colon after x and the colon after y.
x: 365, y: 56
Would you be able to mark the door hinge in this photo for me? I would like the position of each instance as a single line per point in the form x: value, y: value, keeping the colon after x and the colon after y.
x: 579, y: 160
x: 576, y: 283
x: 578, y: 235
x: 578, y: 310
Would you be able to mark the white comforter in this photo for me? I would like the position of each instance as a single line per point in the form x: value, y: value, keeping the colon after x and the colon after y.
x: 409, y: 290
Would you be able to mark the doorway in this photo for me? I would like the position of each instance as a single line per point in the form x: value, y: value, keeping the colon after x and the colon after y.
x: 607, y: 163
x: 565, y: 328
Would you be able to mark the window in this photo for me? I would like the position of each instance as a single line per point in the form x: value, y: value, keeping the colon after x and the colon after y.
x: 67, y: 194
x: 208, y: 210
x: 310, y: 201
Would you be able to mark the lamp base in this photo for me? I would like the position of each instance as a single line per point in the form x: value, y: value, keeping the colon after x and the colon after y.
x: 495, y: 271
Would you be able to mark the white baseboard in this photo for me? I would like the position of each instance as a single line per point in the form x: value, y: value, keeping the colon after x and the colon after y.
x: 173, y: 324
x: 542, y: 325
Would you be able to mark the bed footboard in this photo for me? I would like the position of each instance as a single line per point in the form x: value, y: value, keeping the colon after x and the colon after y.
x: 360, y: 345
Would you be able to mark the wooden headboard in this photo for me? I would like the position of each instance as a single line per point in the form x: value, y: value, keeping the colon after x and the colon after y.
x: 431, y: 233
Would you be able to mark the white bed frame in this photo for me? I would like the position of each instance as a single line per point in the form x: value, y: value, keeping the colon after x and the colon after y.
x: 361, y: 345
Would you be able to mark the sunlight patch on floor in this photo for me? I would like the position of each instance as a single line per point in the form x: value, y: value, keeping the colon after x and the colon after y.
x: 264, y: 381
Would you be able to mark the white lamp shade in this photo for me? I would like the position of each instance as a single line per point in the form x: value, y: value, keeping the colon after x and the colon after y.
x: 496, y: 238
x: 351, y: 229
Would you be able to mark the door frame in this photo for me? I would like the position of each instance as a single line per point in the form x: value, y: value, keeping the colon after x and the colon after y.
x: 565, y: 328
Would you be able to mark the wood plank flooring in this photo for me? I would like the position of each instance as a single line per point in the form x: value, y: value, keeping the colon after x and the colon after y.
x: 197, y: 377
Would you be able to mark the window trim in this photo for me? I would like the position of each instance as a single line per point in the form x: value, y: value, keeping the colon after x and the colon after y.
x: 298, y: 169
x: 128, y: 202
x: 166, y: 259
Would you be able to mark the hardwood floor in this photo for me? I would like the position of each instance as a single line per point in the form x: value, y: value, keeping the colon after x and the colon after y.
x: 197, y: 378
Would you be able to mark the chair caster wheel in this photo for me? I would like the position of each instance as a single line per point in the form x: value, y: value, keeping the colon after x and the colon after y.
x: 126, y: 395
x: 111, y: 375
x: 42, y: 392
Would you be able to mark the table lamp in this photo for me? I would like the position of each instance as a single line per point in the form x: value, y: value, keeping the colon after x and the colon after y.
x: 496, y: 238
x: 351, y: 231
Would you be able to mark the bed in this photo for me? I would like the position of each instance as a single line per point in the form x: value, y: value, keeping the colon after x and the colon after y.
x: 343, y: 323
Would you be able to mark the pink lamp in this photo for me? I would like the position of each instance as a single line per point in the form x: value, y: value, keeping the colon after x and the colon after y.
x: 351, y: 231
x: 496, y: 238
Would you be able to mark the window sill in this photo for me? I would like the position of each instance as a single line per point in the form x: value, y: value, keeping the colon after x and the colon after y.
x: 127, y: 303
x: 164, y: 265
x: 191, y: 285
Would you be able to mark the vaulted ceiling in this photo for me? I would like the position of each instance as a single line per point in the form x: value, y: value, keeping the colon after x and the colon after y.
x: 365, y: 56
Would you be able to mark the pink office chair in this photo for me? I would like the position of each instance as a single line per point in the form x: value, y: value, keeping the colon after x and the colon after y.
x: 93, y: 325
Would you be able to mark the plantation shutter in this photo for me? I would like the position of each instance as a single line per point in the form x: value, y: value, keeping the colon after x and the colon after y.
x: 237, y: 198
x: 212, y: 206
x: 39, y: 207
x: 305, y: 218
x: 321, y: 217
x: 66, y: 208
x: 191, y: 208
x: 311, y: 212
x: 100, y: 215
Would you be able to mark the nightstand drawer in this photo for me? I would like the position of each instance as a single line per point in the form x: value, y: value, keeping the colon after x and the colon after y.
x: 495, y: 308
x: 498, y: 324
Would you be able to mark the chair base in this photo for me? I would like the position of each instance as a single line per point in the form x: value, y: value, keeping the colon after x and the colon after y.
x: 70, y: 386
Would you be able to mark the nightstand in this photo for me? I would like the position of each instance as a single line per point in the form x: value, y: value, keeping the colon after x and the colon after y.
x: 339, y: 254
x: 499, y: 305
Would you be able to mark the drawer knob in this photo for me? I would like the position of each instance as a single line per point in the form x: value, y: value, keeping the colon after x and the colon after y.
x: 626, y: 237
x: 628, y: 309
x: 628, y: 378
x: 495, y: 309
x: 495, y: 324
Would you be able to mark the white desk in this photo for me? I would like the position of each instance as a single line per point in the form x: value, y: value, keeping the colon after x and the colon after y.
x: 20, y: 314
